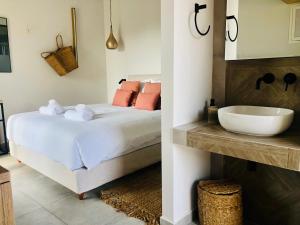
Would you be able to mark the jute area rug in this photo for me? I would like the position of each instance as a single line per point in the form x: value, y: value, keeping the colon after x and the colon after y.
x: 137, y: 195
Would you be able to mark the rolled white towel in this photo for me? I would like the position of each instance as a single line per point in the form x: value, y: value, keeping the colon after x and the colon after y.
x: 79, y: 115
x: 50, y: 111
x: 85, y: 110
x: 83, y: 107
x: 54, y: 104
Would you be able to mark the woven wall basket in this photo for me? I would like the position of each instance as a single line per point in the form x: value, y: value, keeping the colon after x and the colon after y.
x: 55, y: 62
x: 67, y: 57
x: 62, y: 60
x: 220, y: 203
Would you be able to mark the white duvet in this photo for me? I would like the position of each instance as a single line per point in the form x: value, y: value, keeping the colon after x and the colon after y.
x: 114, y: 132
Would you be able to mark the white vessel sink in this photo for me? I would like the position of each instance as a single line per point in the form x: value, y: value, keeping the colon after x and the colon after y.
x: 255, y: 120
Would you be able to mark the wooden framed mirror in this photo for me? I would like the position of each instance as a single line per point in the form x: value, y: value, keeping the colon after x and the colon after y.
x: 264, y: 29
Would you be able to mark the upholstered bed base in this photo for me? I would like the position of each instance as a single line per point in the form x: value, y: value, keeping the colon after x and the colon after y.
x: 83, y: 180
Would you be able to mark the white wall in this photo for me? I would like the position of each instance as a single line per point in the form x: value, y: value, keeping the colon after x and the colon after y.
x: 33, y: 25
x: 137, y: 28
x: 167, y: 28
x: 187, y: 81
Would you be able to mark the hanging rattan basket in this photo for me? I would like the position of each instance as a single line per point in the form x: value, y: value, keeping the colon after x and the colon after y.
x: 220, y: 203
x: 62, y: 60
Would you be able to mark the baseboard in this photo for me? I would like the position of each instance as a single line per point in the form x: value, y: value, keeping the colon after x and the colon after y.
x: 164, y: 221
x: 186, y: 220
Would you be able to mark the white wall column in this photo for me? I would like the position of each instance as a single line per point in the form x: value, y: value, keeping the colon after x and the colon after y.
x: 187, y: 81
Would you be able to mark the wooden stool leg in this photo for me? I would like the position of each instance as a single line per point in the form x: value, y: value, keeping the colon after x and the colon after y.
x: 81, y: 196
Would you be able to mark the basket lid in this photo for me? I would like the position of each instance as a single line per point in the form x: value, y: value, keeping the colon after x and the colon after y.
x: 221, y: 188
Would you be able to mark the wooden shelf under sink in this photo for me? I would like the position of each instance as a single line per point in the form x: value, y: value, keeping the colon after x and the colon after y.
x: 281, y: 151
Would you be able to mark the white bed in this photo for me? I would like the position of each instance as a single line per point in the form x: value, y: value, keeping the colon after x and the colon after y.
x: 84, y: 155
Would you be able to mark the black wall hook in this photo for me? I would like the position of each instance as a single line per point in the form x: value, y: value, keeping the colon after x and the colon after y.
x: 121, y: 81
x: 237, y: 28
x: 197, y: 10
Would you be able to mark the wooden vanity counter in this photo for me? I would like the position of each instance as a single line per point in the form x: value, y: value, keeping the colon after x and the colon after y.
x: 281, y: 151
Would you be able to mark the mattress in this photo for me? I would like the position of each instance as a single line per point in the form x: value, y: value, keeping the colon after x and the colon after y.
x: 114, y: 132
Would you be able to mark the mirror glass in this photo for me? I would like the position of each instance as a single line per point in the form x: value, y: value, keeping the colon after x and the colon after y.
x: 266, y: 29
x: 5, y: 65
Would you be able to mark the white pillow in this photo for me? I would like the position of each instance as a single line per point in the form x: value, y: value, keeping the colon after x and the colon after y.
x: 155, y: 81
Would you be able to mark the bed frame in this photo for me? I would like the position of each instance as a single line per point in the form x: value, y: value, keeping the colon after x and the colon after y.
x: 83, y: 180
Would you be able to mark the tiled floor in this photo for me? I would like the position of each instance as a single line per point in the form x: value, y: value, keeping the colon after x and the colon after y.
x: 41, y: 201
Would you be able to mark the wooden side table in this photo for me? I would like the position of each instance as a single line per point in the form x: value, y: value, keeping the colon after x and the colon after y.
x: 4, y: 150
x: 6, y: 201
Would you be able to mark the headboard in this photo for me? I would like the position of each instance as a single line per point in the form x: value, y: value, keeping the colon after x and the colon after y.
x: 144, y: 77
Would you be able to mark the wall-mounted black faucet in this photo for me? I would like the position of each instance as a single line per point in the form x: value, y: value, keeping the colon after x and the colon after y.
x: 289, y: 78
x: 268, y: 78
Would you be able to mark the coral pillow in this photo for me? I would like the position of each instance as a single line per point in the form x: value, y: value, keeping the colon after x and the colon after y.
x: 147, y: 101
x: 122, y: 98
x: 131, y: 85
x: 152, y: 88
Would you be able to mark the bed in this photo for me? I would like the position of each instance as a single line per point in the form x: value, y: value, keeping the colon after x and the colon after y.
x: 85, y: 155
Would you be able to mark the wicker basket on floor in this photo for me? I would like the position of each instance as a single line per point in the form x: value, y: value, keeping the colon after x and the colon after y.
x: 220, y: 203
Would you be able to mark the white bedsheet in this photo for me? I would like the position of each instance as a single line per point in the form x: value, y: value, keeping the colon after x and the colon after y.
x: 115, y: 131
